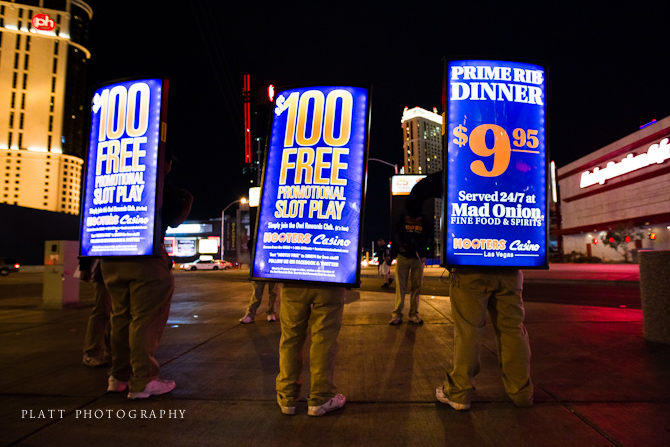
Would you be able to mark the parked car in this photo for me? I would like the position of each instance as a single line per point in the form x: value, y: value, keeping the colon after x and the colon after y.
x: 8, y: 265
x: 203, y: 264
x: 224, y: 264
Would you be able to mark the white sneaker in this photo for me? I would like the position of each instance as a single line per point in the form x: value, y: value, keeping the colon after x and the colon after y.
x: 439, y: 393
x: 116, y: 386
x: 333, y: 404
x: 286, y: 410
x: 415, y: 319
x: 248, y: 318
x: 155, y: 387
x: 272, y: 317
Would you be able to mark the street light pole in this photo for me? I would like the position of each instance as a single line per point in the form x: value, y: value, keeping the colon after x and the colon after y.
x: 223, y: 221
x: 385, y: 162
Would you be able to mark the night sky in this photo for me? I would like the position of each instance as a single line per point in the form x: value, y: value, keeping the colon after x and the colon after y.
x: 607, y: 71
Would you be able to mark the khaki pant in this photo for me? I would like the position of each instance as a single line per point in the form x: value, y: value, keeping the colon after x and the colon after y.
x: 97, y: 339
x: 412, y: 268
x: 257, y: 296
x: 321, y: 308
x: 141, y: 291
x: 473, y: 292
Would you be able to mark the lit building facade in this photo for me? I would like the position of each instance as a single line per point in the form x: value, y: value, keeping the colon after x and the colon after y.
x: 615, y: 201
x: 422, y: 150
x: 422, y: 131
x: 43, y: 62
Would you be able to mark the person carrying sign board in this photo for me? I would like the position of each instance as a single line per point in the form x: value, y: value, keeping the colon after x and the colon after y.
x: 413, y: 232
x: 473, y: 293
x: 141, y: 291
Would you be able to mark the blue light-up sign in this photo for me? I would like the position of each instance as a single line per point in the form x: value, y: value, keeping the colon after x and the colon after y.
x: 495, y: 212
x: 309, y: 219
x: 121, y: 194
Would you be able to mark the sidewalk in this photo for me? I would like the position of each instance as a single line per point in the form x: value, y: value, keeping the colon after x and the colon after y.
x: 598, y: 382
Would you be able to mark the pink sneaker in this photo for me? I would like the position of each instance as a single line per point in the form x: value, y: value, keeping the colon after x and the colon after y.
x: 155, y: 387
x: 116, y: 386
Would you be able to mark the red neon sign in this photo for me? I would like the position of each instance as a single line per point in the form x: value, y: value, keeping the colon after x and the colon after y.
x: 271, y: 93
x: 247, y: 118
x: 43, y: 22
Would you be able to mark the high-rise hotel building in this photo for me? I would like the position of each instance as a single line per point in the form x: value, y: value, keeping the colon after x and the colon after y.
x: 422, y: 131
x: 43, y: 62
x: 422, y: 145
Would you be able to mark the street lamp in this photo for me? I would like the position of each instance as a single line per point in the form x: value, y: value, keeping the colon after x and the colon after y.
x: 223, y: 221
x: 385, y: 162
x: 396, y: 171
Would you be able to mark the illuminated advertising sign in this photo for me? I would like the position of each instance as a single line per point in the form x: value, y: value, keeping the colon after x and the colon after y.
x: 254, y: 196
x: 123, y: 188
x: 401, y: 185
x: 309, y: 221
x: 495, y: 210
x: 657, y: 153
x: 43, y: 22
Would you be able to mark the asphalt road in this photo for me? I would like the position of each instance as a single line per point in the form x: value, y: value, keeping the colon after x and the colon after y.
x: 25, y: 288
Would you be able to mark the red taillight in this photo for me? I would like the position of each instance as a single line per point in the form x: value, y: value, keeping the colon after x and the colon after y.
x: 17, y: 265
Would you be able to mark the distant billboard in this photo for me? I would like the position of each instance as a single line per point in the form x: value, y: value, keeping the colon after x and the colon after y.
x: 496, y: 158
x: 401, y: 185
x: 309, y: 222
x: 123, y: 184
